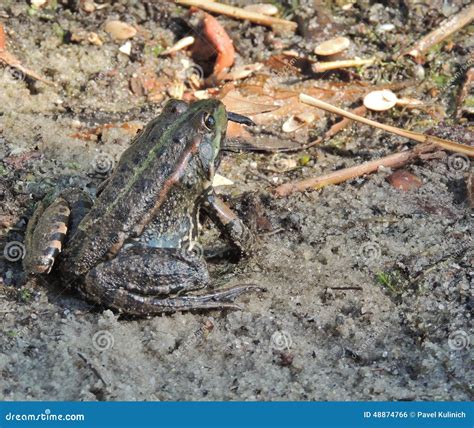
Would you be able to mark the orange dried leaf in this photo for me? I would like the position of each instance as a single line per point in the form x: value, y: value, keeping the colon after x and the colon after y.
x: 217, y: 36
x: 235, y: 130
x: 3, y: 38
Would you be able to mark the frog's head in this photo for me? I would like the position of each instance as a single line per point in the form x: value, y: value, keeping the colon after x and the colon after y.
x: 209, y: 119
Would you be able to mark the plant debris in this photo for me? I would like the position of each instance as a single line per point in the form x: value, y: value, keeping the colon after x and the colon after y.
x: 392, y: 161
x: 421, y: 138
x: 322, y: 67
x: 10, y: 60
x: 238, y: 13
x: 444, y: 30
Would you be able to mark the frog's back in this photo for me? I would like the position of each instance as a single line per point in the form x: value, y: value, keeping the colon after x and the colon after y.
x: 147, y: 171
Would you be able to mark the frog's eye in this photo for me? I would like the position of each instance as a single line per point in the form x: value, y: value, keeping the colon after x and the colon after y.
x: 210, y: 122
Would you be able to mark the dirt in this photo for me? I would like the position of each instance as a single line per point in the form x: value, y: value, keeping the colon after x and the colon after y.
x: 368, y: 287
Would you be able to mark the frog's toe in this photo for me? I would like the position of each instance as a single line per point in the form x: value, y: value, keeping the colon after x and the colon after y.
x: 127, y: 299
x: 232, y: 293
x: 147, y: 281
x: 135, y: 304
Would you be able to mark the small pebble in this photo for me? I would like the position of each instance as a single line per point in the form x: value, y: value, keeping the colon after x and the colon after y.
x: 419, y: 72
x: 119, y: 30
x: 94, y: 39
x: 404, y: 180
x: 88, y: 6
x: 333, y: 46
x: 385, y: 28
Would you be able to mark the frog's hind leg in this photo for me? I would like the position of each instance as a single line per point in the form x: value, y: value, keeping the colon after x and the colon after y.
x: 146, y: 281
x: 47, y: 229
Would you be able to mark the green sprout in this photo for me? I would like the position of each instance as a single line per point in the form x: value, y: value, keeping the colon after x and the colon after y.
x: 25, y: 295
x: 391, y: 281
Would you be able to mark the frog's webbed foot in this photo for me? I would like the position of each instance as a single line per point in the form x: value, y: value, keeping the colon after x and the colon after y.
x: 135, y: 304
x: 232, y: 227
x: 47, y: 228
x: 147, y: 281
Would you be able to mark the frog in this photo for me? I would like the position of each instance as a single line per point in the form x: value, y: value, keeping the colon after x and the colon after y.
x: 135, y: 247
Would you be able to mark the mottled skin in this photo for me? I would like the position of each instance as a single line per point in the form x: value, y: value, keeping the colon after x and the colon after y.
x: 134, y: 249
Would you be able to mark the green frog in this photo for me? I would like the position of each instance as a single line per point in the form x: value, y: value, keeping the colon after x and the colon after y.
x: 134, y: 248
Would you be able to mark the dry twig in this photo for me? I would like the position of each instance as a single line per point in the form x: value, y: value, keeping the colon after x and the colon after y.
x: 238, y: 13
x: 392, y: 161
x: 321, y: 67
x: 417, y: 136
x: 10, y: 60
x: 444, y: 30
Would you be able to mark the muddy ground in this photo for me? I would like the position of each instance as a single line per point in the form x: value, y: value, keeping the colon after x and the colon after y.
x: 368, y: 288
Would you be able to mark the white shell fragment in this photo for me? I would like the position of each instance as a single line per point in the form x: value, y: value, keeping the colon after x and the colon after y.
x: 179, y: 45
x: 385, y: 28
x: 333, y: 46
x: 380, y: 100
x: 220, y: 180
x: 263, y: 8
x: 119, y: 30
x: 298, y: 121
x: 126, y: 48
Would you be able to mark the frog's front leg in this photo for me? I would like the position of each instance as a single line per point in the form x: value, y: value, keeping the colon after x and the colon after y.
x: 146, y: 281
x: 47, y: 229
x: 239, y: 235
